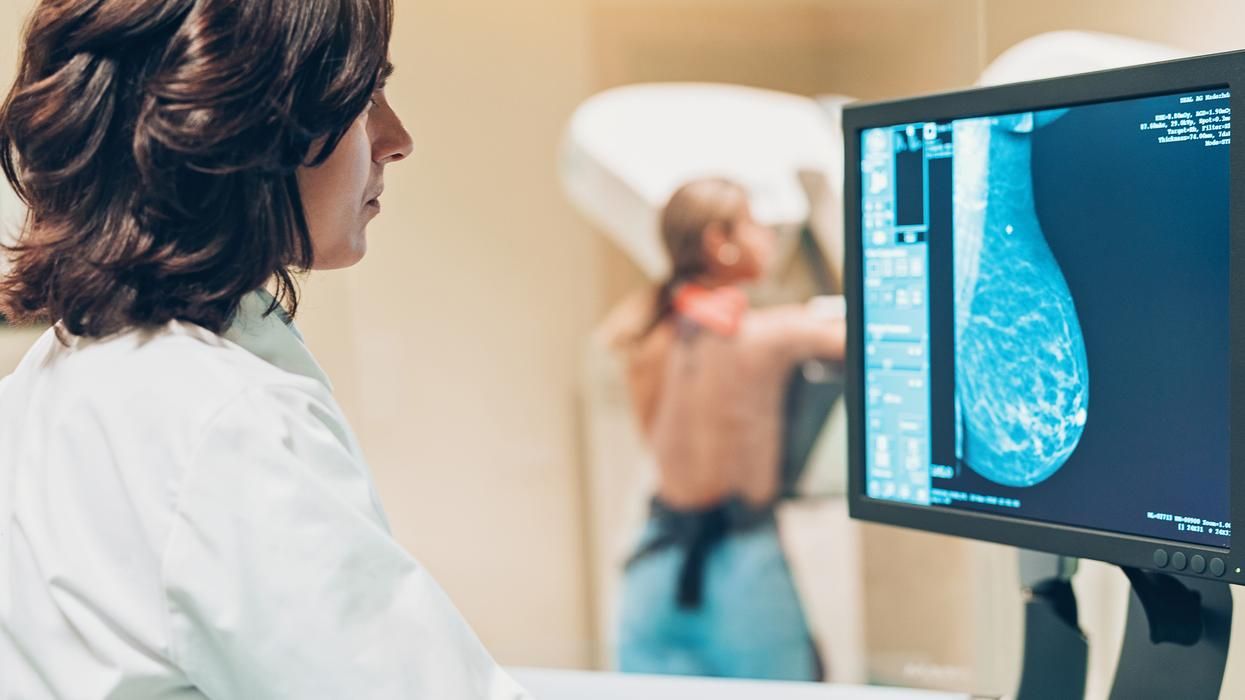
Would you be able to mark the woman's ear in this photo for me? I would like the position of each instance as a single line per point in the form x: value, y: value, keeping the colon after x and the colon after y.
x: 721, y: 253
x: 712, y: 239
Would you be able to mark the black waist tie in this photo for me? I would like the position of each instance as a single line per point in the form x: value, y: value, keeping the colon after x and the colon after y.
x: 697, y: 532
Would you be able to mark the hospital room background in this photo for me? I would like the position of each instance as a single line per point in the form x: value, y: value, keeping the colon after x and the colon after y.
x: 467, y: 348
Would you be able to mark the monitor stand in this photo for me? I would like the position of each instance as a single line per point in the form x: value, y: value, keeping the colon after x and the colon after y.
x: 1056, y: 654
x: 1176, y: 638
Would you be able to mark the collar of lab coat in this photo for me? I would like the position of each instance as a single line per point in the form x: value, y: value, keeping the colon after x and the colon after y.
x: 273, y: 337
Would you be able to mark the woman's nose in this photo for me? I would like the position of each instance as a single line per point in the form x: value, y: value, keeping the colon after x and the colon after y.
x: 392, y: 142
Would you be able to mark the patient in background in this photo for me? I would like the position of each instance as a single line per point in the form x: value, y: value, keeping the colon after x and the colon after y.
x: 708, y: 591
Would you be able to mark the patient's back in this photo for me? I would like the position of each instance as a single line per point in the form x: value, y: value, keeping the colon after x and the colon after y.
x: 711, y: 406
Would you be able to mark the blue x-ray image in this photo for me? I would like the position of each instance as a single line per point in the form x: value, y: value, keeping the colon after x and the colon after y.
x: 1021, y: 374
x: 1046, y: 316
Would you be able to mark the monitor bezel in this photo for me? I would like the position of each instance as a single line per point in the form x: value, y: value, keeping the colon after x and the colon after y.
x: 1217, y: 71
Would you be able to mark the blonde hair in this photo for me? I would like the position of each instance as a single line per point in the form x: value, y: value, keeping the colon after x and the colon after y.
x: 690, y: 210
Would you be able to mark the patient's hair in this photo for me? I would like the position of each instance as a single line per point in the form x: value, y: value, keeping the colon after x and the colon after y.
x: 690, y: 210
x: 155, y: 144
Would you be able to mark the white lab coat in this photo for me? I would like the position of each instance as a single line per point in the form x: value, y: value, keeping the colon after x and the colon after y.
x: 186, y: 515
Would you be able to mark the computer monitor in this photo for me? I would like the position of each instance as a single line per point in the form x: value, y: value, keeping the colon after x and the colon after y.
x: 1045, y: 309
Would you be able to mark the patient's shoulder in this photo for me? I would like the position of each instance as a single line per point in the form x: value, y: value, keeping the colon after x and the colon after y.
x: 775, y: 324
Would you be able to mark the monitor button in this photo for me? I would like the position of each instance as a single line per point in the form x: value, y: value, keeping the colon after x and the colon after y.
x: 1160, y: 558
x: 1217, y: 567
x: 1197, y: 563
x: 1178, y: 561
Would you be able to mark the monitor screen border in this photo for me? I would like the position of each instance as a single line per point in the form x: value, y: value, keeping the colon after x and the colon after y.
x: 1217, y: 71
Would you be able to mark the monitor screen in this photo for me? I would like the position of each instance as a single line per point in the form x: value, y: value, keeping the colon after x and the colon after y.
x: 1045, y: 307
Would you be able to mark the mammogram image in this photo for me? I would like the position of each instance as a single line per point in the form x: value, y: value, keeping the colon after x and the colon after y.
x: 1021, y: 375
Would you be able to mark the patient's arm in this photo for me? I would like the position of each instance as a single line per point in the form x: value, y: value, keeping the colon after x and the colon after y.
x: 646, y: 365
x: 799, y: 332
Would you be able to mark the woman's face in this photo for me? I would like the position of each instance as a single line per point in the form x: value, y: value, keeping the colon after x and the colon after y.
x: 342, y: 194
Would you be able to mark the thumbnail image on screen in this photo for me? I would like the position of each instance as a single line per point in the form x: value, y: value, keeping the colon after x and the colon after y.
x: 1046, y: 315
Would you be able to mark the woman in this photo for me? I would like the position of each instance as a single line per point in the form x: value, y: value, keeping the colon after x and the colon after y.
x: 184, y: 511
x: 708, y: 592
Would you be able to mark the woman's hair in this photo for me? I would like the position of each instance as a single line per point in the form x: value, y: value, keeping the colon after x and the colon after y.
x: 691, y: 209
x: 155, y: 144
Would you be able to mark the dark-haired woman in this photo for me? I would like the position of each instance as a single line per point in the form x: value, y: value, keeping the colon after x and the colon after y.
x: 709, y: 591
x: 184, y: 511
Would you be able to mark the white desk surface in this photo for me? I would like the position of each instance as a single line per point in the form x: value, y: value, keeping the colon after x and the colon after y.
x: 546, y: 684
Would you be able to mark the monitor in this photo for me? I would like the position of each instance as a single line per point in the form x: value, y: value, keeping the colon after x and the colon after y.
x: 1045, y: 329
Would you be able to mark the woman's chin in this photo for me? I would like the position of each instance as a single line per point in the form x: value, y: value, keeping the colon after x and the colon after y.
x: 342, y: 258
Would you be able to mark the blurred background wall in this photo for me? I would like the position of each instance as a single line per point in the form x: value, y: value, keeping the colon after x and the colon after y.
x: 455, y: 346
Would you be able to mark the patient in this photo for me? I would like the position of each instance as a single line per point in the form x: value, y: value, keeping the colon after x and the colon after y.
x: 708, y: 592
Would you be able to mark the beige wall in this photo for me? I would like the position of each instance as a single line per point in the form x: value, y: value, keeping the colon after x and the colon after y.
x: 1197, y: 26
